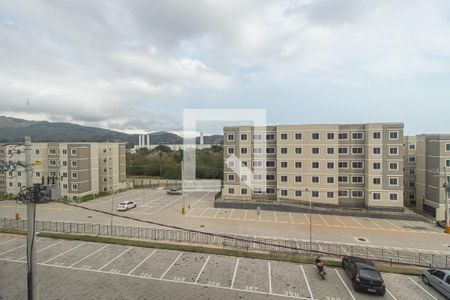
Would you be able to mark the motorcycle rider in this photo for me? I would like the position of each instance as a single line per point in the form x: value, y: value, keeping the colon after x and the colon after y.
x: 320, y: 267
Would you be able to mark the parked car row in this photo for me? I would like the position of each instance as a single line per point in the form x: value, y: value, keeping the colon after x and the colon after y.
x: 366, y: 278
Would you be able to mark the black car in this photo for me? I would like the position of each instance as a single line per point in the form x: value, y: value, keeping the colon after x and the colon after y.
x: 364, y: 275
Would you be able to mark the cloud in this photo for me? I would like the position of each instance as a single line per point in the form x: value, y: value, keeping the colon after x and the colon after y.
x: 136, y: 64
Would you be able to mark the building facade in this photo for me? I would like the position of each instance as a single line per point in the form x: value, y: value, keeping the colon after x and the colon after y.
x: 339, y: 165
x: 433, y: 154
x: 409, y: 170
x: 80, y: 169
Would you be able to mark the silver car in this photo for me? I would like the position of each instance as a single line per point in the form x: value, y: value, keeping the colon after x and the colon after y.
x: 439, y: 279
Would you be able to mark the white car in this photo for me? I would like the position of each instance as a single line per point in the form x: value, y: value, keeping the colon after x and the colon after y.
x: 126, y: 205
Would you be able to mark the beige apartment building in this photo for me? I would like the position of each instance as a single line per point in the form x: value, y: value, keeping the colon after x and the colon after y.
x: 433, y: 153
x: 358, y: 165
x: 409, y: 170
x: 79, y: 168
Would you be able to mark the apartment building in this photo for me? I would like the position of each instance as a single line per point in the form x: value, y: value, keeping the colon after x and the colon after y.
x: 332, y: 165
x: 79, y: 168
x: 433, y: 153
x: 409, y: 170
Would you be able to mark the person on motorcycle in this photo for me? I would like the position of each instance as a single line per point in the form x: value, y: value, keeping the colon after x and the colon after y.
x: 320, y: 267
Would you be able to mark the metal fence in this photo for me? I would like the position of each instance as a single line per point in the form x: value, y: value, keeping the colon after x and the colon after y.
x: 288, y: 246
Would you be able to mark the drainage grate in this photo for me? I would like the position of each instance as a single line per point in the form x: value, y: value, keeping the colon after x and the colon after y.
x: 361, y: 239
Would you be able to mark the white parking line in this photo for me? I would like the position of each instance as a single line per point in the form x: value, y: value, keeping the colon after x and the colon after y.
x: 323, y: 219
x: 270, y: 277
x: 61, y: 254
x: 140, y: 264
x: 290, y: 216
x: 307, y: 283
x: 171, y: 265
x: 199, y: 199
x: 203, y: 212
x: 203, y: 267
x: 11, y: 250
x: 234, y: 273
x: 93, y: 253
x: 43, y: 249
x: 275, y: 214
x: 340, y: 221
x: 168, y: 204
x: 346, y: 287
x: 14, y: 239
x: 245, y: 216
x: 373, y: 222
x: 399, y: 228
x: 358, y: 223
x: 413, y: 281
x: 115, y: 258
x: 217, y: 212
x: 390, y: 294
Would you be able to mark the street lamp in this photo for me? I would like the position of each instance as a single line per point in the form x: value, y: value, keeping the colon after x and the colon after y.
x: 310, y: 219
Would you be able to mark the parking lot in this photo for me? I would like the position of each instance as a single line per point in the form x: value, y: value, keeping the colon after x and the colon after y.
x: 156, y: 205
x: 249, y: 278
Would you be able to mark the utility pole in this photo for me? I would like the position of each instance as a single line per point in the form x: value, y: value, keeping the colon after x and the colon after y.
x: 32, y: 287
x: 183, y: 210
x: 310, y: 220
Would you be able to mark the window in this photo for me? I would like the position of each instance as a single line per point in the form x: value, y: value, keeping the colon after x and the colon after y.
x: 284, y: 136
x: 19, y: 184
x: 393, y: 150
x: 358, y: 194
x: 270, y: 164
x: 377, y: 135
x: 376, y: 196
x: 330, y: 179
x: 412, y: 184
x: 64, y: 151
x: 52, y: 162
x: 270, y: 150
x: 376, y: 166
x: 330, y: 136
x: 230, y: 150
x: 298, y: 150
x: 330, y: 194
x: 284, y: 150
x: 357, y: 135
x: 315, y: 165
x: 244, y: 164
x: 393, y: 181
x: 298, y: 178
x: 447, y: 162
x: 257, y: 150
x: 257, y: 177
x: 74, y: 187
x: 315, y: 179
x: 343, y: 136
x: 243, y: 191
x: 393, y: 166
x: 439, y: 274
x: 315, y: 150
x: 315, y: 194
x: 230, y: 190
x: 343, y: 165
x: 298, y: 165
x: 244, y: 150
x: 244, y: 177
x: 298, y: 136
x: 231, y: 177
x: 393, y: 135
x: 270, y: 177
x: 343, y: 193
x: 357, y: 150
x: 412, y: 146
x: 447, y: 147
x: 284, y: 178
x: 74, y: 164
x: 38, y: 174
x: 36, y: 152
x: 343, y: 150
x: 330, y: 150
x: 413, y: 159
x: 377, y: 150
x: 244, y: 137
x: 52, y: 151
x: 357, y: 164
x: 73, y: 151
x: 412, y: 171
x: 298, y: 193
x: 376, y: 181
x: 284, y: 164
x: 357, y: 179
x: 10, y: 184
x: 342, y: 178
x: 270, y: 137
x: 74, y: 175
x: 64, y: 174
x: 270, y: 191
x: 231, y: 164
x: 393, y: 197
x: 257, y: 137
x: 315, y: 136
x: 65, y: 186
x: 330, y: 165
x: 284, y: 192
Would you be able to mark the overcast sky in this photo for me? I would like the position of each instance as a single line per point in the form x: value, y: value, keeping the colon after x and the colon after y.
x: 134, y: 65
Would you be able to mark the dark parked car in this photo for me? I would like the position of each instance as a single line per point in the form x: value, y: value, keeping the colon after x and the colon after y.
x: 364, y: 275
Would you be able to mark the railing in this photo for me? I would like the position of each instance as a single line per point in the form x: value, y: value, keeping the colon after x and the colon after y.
x: 288, y: 246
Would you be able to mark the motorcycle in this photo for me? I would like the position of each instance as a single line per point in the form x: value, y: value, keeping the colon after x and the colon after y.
x: 320, y: 268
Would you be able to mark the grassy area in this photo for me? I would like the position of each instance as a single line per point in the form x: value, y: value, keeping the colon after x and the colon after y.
x: 297, y: 258
x: 13, y: 231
